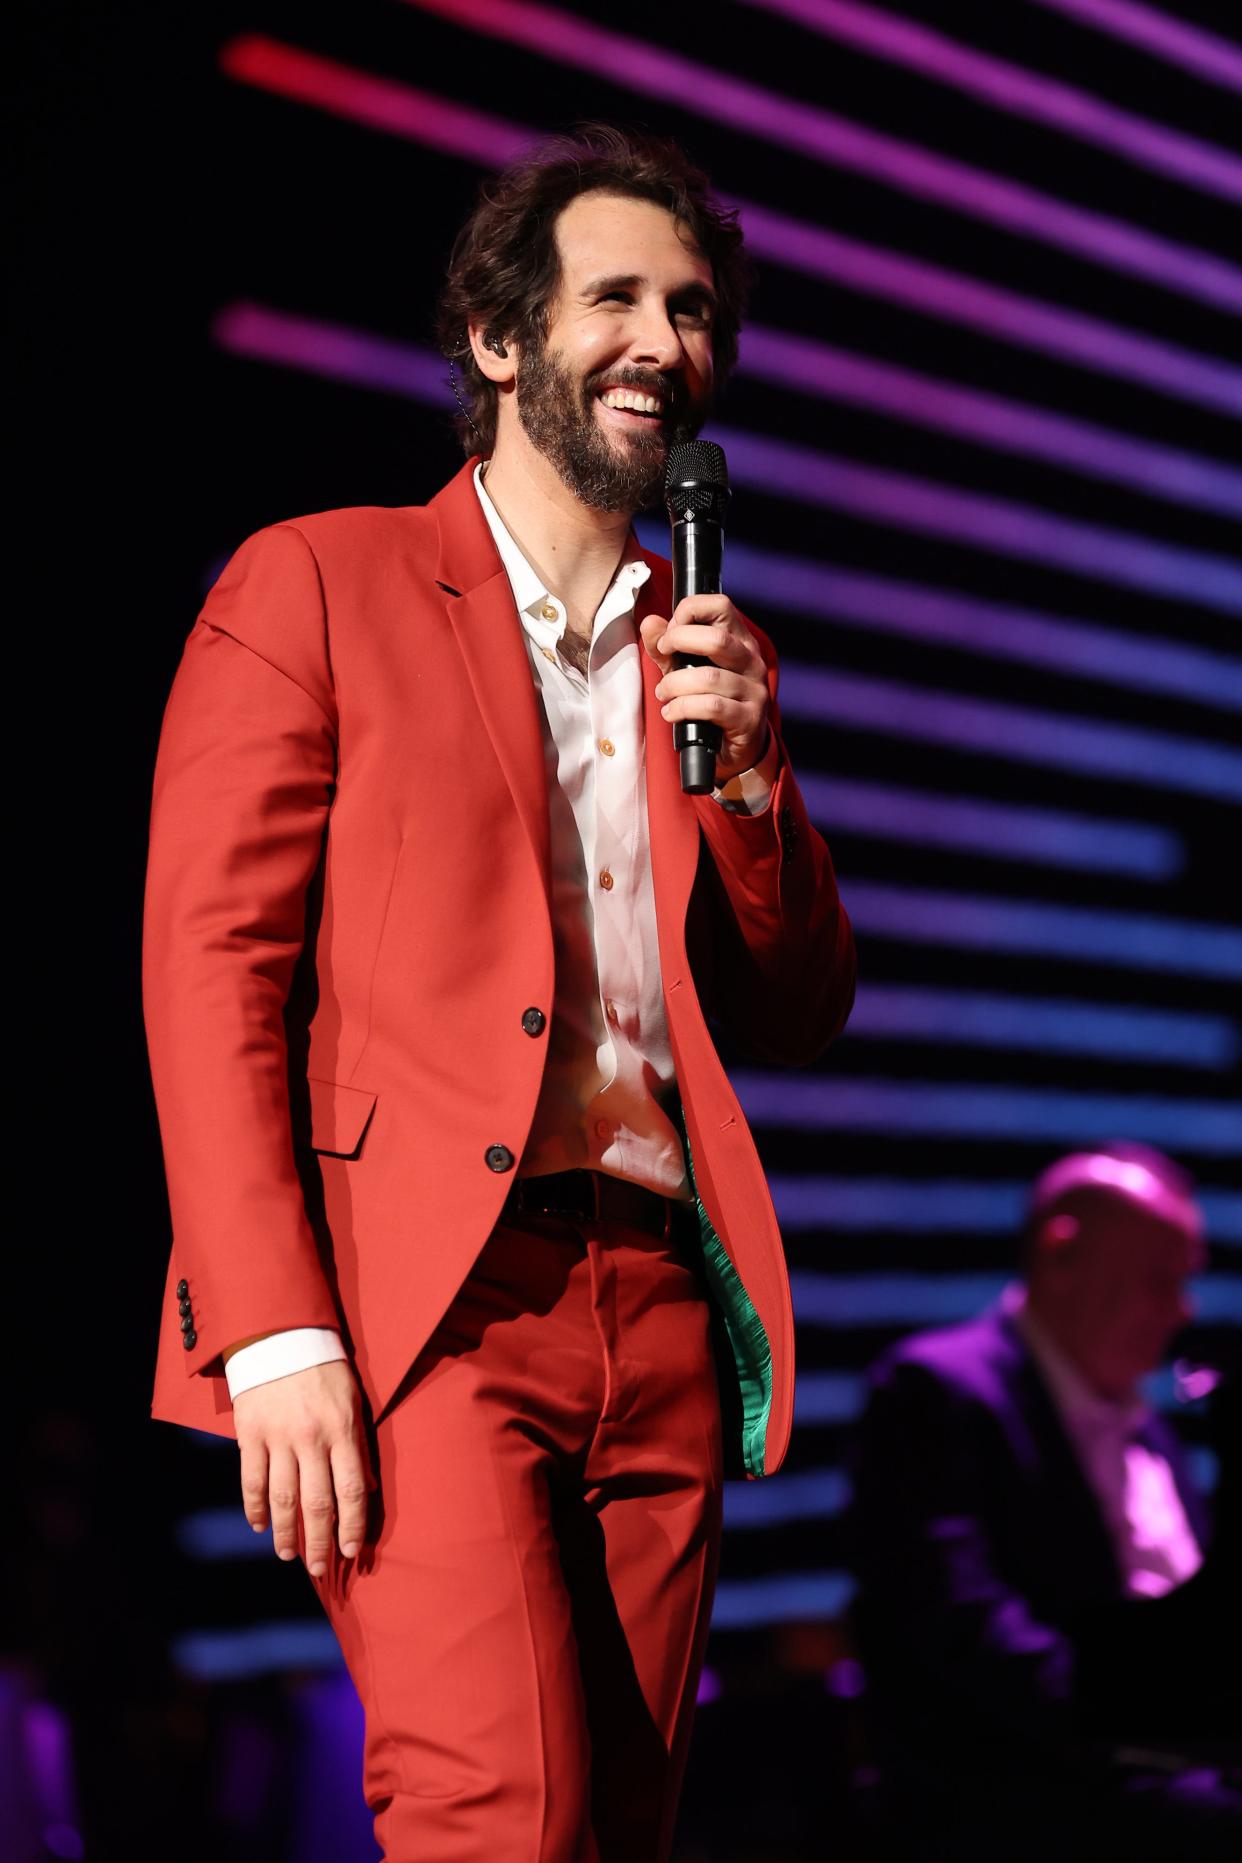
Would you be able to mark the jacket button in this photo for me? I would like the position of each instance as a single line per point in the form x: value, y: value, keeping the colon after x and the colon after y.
x: 184, y: 1307
x: 190, y: 1341
x: 534, y: 1021
x: 789, y: 833
x: 183, y: 1288
x: 499, y: 1158
x: 187, y: 1324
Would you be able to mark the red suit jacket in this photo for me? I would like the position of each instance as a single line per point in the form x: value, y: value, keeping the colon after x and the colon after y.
x: 347, y: 915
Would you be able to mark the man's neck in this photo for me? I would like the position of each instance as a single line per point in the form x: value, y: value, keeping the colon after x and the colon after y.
x: 573, y: 547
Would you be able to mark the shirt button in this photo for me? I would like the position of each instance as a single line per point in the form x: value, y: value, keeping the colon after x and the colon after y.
x: 548, y: 612
x: 607, y: 746
x: 605, y: 880
x: 610, y: 1010
x: 601, y: 1128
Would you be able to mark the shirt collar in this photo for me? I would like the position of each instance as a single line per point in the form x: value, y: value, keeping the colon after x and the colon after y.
x: 529, y: 591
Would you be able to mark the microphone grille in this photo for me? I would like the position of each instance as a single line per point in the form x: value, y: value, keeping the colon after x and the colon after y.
x: 695, y: 477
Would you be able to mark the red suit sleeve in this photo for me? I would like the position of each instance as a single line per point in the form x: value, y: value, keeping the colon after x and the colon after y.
x: 243, y: 784
x: 784, y: 961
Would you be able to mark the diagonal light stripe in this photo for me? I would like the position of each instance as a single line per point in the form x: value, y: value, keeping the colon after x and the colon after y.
x: 942, y: 1206
x: 922, y: 289
x: 1041, y: 1025
x: 989, y: 1112
x: 828, y: 1397
x: 845, y: 1300
x: 996, y: 525
x: 259, y: 1649
x: 970, y: 518
x: 824, y: 136
x: 1030, y: 927
x: 1078, y: 649
x: 1020, y: 92
x: 1004, y: 316
x: 987, y: 728
x: 800, y: 365
x: 995, y: 830
x: 1175, y: 41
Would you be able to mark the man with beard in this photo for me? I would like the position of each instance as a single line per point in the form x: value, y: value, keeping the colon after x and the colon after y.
x: 466, y: 1214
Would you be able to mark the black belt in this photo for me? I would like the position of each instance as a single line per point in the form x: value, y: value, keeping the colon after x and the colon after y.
x: 592, y: 1196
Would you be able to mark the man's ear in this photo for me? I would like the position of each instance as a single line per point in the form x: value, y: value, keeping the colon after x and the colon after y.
x: 495, y: 358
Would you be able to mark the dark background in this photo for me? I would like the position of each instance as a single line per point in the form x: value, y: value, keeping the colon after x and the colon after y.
x: 154, y: 193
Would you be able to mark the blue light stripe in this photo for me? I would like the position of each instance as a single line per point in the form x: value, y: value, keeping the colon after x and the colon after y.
x: 800, y: 1494
x: 943, y: 1206
x: 221, y: 1533
x: 1048, y: 837
x: 828, y: 1397
x: 985, y: 1112
x: 1077, y: 649
x: 835, y: 1301
x: 1018, y: 733
x: 1042, y: 1025
x: 977, y: 521
x: 785, y: 1597
x: 260, y: 1649
x: 993, y: 421
x: 972, y: 921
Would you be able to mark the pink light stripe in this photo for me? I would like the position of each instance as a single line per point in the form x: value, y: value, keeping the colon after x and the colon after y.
x: 1021, y: 92
x: 923, y: 289
x: 990, y: 420
x: 379, y: 103
x: 836, y: 141
x: 1208, y: 57
x: 998, y: 526
x: 775, y: 466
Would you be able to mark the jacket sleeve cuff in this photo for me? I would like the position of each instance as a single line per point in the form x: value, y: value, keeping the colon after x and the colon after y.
x: 281, y: 1354
x: 750, y: 791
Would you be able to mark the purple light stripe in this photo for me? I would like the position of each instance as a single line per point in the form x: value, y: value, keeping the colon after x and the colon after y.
x: 1004, y: 316
x: 1042, y: 1025
x: 1020, y: 92
x: 834, y: 140
x: 804, y: 1494
x: 378, y: 103
x: 930, y: 1206
x: 1077, y: 649
x: 930, y: 1299
x: 1046, y: 837
x: 1173, y: 40
x: 989, y: 1112
x: 922, y: 289
x: 991, y: 420
x: 988, y: 728
x: 976, y: 521
x: 1032, y: 928
x: 772, y: 465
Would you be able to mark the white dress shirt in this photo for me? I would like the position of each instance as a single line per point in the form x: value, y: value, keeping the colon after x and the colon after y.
x: 1137, y: 1495
x: 608, y: 1092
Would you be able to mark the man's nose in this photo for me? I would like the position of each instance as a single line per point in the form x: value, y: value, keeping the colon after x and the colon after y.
x: 656, y: 343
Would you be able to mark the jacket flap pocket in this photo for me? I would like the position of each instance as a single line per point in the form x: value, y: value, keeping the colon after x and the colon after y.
x: 339, y: 1117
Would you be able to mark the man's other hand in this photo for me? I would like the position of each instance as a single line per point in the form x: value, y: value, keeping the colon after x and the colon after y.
x: 303, y: 1446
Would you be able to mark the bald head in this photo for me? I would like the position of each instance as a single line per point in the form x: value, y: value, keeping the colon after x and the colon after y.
x: 1111, y: 1241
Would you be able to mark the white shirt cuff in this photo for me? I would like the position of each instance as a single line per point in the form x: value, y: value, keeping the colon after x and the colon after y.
x: 750, y: 791
x: 281, y: 1354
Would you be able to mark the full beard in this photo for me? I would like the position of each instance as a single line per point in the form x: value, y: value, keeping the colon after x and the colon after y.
x: 558, y: 417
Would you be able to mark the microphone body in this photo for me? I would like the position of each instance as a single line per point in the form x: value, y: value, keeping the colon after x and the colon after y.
x: 697, y: 494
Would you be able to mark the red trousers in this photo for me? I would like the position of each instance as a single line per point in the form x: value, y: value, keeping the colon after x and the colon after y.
x: 526, y: 1625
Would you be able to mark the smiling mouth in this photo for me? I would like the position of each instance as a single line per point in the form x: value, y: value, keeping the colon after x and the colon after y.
x: 635, y: 407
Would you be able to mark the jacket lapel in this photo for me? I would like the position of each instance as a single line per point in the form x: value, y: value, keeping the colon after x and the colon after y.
x: 489, y: 635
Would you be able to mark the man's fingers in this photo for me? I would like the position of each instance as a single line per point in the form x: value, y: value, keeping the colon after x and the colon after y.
x: 282, y: 1492
x: 351, y: 1478
x: 254, y: 1483
x: 652, y: 629
x: 710, y: 640
x: 318, y: 1508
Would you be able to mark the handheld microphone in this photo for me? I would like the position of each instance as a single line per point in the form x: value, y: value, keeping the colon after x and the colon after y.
x: 696, y: 491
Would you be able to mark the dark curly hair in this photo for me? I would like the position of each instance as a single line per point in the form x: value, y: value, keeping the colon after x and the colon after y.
x: 504, y: 269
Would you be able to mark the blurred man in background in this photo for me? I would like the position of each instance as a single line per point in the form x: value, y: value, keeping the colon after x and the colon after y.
x: 1015, y: 1491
